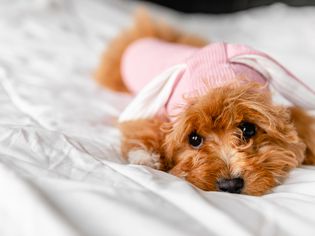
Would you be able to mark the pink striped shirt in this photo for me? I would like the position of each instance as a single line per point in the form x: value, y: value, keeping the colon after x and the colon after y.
x: 210, y: 66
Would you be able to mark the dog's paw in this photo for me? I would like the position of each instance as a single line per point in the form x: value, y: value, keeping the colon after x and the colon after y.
x: 142, y: 157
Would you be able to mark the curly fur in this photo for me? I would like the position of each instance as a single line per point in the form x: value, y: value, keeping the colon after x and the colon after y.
x: 262, y: 161
x: 285, y: 137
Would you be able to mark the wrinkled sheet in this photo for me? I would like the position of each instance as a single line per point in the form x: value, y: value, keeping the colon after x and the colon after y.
x: 60, y: 169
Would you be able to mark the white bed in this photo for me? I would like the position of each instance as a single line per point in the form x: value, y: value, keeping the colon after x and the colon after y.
x: 60, y: 170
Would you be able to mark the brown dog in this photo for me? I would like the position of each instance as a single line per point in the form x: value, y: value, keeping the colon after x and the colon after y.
x: 231, y: 139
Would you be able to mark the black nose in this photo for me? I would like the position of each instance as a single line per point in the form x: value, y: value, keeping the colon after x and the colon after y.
x: 231, y: 185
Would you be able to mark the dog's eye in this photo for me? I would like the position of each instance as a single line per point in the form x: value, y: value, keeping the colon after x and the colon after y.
x: 248, y: 129
x: 195, y: 140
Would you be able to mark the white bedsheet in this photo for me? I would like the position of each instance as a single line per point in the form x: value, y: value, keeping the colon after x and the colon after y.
x: 60, y: 171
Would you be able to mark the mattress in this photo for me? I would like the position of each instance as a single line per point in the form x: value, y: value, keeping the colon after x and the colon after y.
x: 60, y: 168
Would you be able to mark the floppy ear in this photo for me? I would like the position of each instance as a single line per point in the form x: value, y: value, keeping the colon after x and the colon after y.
x: 305, y: 126
x: 282, y: 80
x: 291, y: 88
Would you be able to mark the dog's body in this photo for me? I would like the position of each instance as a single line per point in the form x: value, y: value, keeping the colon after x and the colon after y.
x: 229, y: 138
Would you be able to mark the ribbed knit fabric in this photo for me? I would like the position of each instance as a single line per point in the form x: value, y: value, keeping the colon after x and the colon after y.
x: 207, y: 67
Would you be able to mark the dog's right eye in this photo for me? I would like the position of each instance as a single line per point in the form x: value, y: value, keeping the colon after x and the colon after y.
x: 248, y: 129
x: 195, y: 140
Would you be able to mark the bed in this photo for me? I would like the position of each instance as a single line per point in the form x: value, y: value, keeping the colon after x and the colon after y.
x: 60, y: 168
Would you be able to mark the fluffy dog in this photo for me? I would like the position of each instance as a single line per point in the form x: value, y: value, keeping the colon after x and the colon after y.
x: 229, y: 138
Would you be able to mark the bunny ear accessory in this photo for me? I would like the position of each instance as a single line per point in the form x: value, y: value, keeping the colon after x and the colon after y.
x: 153, y: 96
x: 284, y: 82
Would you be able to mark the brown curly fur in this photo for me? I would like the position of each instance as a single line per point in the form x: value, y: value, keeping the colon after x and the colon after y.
x: 263, y: 161
x: 284, y: 140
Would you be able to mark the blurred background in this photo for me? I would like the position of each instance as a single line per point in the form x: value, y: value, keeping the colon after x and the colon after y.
x: 224, y: 6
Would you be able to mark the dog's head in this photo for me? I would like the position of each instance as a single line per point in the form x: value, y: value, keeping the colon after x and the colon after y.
x: 233, y: 140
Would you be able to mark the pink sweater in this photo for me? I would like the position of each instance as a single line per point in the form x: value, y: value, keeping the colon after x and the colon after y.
x: 211, y: 66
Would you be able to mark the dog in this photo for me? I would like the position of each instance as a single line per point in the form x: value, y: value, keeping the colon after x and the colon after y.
x: 229, y: 137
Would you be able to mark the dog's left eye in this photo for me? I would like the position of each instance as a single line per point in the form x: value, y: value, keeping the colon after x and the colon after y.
x: 195, y: 140
x: 248, y: 129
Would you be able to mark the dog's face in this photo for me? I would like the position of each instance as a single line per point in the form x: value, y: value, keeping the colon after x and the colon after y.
x: 233, y: 140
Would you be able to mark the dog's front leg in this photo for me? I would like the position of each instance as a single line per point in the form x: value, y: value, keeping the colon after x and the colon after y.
x: 142, y: 142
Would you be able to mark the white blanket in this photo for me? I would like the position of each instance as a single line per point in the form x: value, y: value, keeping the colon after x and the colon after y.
x: 60, y: 170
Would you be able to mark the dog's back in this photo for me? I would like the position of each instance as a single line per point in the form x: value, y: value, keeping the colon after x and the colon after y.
x: 109, y: 74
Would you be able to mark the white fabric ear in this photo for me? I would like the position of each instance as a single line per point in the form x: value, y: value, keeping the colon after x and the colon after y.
x: 153, y: 96
x: 280, y: 79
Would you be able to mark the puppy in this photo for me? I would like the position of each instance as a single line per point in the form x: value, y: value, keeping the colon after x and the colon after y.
x: 221, y: 132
